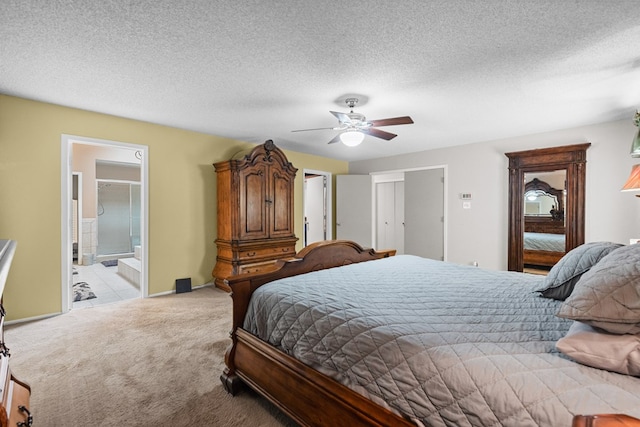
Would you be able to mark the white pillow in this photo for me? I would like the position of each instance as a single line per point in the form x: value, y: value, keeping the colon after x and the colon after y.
x: 599, y: 349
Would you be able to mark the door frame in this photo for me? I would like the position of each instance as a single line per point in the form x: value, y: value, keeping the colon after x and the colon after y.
x: 328, y: 202
x: 66, y: 181
x: 393, y: 175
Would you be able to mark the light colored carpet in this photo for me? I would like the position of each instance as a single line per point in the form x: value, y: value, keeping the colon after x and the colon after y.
x: 143, y: 362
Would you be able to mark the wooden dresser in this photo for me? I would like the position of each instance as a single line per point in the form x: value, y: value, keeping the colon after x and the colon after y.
x: 255, y: 212
x: 14, y: 394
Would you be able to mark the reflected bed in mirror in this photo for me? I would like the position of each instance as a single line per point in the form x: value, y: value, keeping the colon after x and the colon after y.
x: 544, y: 227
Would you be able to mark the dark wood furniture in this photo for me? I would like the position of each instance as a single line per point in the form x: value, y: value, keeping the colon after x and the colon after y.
x: 255, y: 212
x: 605, y: 420
x: 541, y: 258
x: 573, y: 159
x: 14, y: 394
x: 307, y: 396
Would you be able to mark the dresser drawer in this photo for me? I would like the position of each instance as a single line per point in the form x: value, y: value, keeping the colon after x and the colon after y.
x: 261, y: 267
x: 271, y: 253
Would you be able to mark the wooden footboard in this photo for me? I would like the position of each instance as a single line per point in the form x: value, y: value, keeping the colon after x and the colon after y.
x: 544, y: 258
x: 307, y: 396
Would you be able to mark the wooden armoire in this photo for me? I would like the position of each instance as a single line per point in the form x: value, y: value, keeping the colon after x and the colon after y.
x: 255, y: 212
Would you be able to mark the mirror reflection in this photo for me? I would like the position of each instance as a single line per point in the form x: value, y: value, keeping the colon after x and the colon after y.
x: 544, y: 218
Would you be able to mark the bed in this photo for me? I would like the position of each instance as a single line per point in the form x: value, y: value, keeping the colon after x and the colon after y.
x: 543, y: 249
x: 406, y: 341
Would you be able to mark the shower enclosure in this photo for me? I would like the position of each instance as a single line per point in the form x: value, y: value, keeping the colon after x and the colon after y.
x: 118, y: 217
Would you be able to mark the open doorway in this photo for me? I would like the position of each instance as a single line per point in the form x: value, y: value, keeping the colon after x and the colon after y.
x: 104, y: 221
x: 410, y: 211
x: 317, y: 206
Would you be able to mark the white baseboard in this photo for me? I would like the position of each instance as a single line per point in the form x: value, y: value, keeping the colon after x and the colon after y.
x: 31, y: 319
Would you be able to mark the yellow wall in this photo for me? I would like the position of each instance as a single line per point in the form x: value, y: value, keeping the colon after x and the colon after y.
x: 182, y: 199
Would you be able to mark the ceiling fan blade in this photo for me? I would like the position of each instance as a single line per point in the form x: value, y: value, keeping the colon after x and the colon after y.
x: 305, y: 130
x: 342, y: 117
x: 404, y: 120
x: 379, y: 133
x: 335, y: 139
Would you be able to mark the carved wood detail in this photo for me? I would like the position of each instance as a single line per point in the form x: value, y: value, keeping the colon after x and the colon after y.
x: 571, y: 158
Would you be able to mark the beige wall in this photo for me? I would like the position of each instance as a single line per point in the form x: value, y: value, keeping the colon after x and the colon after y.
x: 182, y: 199
x: 480, y: 233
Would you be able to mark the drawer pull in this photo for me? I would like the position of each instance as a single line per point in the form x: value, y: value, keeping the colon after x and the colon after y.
x: 251, y: 254
x: 285, y: 249
x: 29, y: 421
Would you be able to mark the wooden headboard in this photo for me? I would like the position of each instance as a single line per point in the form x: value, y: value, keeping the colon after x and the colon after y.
x: 543, y: 224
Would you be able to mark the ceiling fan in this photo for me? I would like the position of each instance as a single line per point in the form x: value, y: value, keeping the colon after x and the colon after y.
x: 354, y: 126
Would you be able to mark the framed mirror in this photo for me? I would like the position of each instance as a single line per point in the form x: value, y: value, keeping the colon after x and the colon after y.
x: 544, y: 220
x: 546, y: 204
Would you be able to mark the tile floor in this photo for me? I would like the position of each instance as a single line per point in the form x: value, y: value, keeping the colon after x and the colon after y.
x: 106, y: 283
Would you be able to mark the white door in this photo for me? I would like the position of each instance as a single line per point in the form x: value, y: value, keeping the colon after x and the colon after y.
x: 353, y: 209
x: 399, y: 217
x: 390, y: 216
x: 385, y: 215
x: 315, y: 208
x: 424, y: 213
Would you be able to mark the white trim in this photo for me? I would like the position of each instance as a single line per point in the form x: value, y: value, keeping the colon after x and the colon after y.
x: 79, y: 209
x: 66, y: 142
x: 30, y: 319
x: 328, y: 201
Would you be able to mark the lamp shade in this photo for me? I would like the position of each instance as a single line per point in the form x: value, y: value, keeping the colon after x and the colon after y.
x: 633, y: 182
x: 351, y: 138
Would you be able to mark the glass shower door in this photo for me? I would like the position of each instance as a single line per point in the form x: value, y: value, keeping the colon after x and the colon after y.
x: 118, y: 217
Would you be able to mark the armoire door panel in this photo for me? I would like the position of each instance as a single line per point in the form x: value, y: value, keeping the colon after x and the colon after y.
x: 282, y: 223
x: 253, y: 206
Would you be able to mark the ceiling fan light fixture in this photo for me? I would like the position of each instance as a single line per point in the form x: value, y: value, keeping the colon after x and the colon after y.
x: 351, y: 138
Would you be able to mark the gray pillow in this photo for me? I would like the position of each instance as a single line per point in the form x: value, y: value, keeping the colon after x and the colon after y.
x: 608, y: 295
x: 563, y: 276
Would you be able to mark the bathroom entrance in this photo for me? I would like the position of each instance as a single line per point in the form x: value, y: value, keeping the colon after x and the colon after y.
x: 105, y: 221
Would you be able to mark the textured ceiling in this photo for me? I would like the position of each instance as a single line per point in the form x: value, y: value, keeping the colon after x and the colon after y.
x: 464, y: 70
